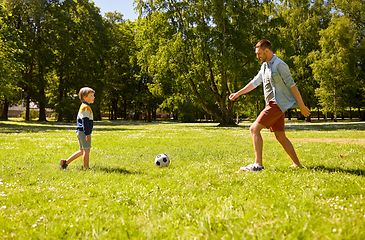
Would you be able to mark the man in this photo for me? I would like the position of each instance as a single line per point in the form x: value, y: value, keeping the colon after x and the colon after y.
x: 281, y: 93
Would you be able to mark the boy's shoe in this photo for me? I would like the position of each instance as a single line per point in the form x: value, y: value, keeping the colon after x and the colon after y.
x: 252, y: 168
x: 63, y: 165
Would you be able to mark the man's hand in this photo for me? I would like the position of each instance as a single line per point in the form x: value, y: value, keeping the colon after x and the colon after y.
x: 248, y: 88
x: 88, y: 137
x: 305, y: 111
x: 233, y: 96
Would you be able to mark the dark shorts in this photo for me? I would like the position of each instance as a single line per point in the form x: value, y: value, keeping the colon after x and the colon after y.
x: 272, y: 118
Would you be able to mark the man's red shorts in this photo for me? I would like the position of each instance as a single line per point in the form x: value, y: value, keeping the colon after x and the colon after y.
x: 272, y: 117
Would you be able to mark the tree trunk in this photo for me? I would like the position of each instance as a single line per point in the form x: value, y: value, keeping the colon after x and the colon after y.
x: 334, y: 99
x: 350, y: 113
x: 60, y: 98
x: 149, y: 112
x: 325, y: 115
x: 42, y: 104
x: 4, y: 111
x: 42, y: 112
x: 359, y: 112
x: 42, y: 97
x: 154, y: 113
x: 124, y: 111
x: 27, y: 107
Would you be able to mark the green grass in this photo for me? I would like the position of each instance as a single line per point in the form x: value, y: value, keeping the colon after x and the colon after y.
x: 199, y: 196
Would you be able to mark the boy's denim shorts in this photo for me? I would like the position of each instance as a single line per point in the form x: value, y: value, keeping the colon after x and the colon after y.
x: 83, y: 144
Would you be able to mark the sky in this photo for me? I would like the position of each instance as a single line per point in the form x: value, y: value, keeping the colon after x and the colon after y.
x: 124, y: 7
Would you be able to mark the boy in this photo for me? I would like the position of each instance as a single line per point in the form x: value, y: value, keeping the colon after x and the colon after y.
x: 85, y: 119
x: 281, y: 93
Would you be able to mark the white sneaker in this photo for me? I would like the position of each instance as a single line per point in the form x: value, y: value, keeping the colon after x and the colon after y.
x: 252, y: 168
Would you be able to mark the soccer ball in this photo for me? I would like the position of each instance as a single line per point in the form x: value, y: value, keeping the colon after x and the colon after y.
x: 162, y: 160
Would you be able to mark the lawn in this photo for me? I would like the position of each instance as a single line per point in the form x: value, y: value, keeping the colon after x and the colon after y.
x: 199, y: 196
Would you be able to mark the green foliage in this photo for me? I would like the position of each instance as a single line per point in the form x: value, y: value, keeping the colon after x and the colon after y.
x: 33, y: 114
x: 187, y: 112
x: 62, y: 38
x: 205, y: 46
x: 298, y: 33
x: 335, y: 68
x: 178, y: 51
x: 10, y: 68
x: 124, y: 196
x: 121, y: 74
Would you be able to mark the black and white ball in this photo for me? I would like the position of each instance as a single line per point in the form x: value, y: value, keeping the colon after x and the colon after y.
x: 162, y: 160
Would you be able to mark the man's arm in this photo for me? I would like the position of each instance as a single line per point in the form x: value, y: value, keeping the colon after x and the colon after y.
x: 248, y: 88
x: 257, y: 80
x: 303, y: 109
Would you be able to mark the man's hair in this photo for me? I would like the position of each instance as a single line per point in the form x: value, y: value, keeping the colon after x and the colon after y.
x: 84, y: 92
x: 263, y: 44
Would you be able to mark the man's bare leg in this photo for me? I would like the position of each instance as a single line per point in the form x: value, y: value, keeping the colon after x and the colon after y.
x: 258, y: 142
x: 288, y: 147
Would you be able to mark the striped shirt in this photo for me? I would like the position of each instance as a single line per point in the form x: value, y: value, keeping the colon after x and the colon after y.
x: 85, y: 118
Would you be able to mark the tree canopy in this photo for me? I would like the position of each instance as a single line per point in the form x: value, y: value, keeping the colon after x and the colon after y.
x: 181, y: 56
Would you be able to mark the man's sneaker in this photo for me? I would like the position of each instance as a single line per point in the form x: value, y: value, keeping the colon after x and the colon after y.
x: 296, y: 166
x: 252, y: 168
x: 63, y: 165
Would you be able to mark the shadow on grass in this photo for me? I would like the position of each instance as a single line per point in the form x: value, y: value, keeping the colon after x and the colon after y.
x: 294, y: 125
x: 323, y: 126
x: 358, y: 172
x: 29, y: 127
x: 116, y: 170
x: 21, y: 126
x: 18, y: 127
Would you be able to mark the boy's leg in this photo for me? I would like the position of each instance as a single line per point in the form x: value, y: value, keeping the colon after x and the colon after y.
x: 288, y: 147
x: 74, y: 156
x: 258, y: 143
x: 85, y: 158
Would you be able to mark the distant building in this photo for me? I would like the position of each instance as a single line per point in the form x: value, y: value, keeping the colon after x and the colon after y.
x: 16, y: 111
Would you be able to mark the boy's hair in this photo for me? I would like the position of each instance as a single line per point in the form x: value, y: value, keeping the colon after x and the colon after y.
x: 84, y: 92
x: 263, y: 44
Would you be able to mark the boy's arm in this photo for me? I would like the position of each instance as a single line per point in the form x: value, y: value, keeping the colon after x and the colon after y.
x: 303, y: 109
x: 85, y: 123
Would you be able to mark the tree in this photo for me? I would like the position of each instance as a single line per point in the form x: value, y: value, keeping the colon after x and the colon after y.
x: 122, y: 71
x: 26, y: 18
x: 10, y: 68
x: 335, y: 66
x: 355, y: 11
x: 79, y: 45
x: 206, y: 45
x: 300, y: 23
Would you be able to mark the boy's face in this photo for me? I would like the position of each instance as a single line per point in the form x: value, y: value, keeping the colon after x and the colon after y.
x: 89, y: 98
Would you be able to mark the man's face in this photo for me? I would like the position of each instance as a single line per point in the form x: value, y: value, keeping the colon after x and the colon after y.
x: 260, y: 53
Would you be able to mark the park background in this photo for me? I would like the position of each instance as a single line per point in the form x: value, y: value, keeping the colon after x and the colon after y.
x: 182, y: 58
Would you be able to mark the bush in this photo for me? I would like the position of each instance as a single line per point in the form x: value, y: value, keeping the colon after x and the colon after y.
x: 33, y: 114
x: 187, y: 117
